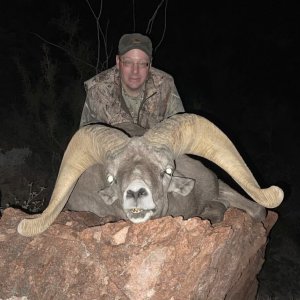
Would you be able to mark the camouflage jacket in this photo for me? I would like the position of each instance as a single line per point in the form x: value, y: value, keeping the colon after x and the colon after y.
x: 104, y: 101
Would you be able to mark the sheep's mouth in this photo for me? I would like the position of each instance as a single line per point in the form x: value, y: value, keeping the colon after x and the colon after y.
x: 136, y: 210
x: 139, y: 215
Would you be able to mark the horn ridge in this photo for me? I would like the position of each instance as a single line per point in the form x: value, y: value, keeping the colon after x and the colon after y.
x: 88, y: 146
x: 193, y: 134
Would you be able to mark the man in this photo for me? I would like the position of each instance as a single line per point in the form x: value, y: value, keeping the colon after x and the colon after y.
x: 131, y: 91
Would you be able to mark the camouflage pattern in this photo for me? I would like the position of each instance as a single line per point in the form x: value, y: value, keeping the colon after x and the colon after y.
x: 105, y: 103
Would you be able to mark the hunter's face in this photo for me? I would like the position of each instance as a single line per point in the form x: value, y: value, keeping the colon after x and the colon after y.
x: 134, y: 67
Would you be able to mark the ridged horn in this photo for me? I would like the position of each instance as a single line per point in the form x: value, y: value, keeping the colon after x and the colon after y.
x: 88, y: 146
x: 193, y: 134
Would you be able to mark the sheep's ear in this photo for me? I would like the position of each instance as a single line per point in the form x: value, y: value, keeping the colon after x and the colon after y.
x: 181, y: 185
x: 108, y: 195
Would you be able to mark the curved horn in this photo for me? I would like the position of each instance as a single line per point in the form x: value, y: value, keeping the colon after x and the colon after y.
x: 87, y: 147
x: 192, y: 134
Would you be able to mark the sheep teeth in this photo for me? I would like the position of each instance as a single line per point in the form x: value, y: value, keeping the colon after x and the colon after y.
x: 136, y: 210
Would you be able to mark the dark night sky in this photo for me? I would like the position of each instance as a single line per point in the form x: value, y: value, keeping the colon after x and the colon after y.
x: 257, y: 41
x: 236, y: 62
x: 212, y: 50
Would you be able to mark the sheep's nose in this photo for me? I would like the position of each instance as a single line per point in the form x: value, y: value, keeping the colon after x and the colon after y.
x: 136, y: 194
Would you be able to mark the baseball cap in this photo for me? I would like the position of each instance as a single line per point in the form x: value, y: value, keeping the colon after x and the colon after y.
x: 135, y: 41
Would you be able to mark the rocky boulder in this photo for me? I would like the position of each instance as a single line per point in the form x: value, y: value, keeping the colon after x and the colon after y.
x: 169, y: 258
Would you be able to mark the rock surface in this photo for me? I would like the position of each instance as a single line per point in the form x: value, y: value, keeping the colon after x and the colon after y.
x: 167, y: 258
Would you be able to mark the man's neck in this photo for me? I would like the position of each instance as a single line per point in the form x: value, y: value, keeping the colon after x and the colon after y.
x: 133, y: 93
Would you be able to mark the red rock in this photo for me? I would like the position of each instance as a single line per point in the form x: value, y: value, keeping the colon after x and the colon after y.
x: 167, y: 258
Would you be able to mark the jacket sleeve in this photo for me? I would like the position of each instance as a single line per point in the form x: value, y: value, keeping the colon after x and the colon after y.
x: 86, y: 115
x: 92, y: 112
x: 174, y: 104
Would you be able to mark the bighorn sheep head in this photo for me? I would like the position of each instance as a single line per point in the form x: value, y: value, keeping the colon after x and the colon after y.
x: 180, y: 134
x: 140, y: 177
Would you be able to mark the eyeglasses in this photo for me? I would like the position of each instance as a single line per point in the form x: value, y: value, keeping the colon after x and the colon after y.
x: 129, y: 64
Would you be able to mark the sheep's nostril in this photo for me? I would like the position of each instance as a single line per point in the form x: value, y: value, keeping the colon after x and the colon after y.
x: 130, y: 194
x: 142, y: 192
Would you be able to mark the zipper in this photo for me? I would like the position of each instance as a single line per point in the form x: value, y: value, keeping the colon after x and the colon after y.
x: 142, y: 103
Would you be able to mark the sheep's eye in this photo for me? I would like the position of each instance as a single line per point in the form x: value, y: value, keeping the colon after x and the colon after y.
x: 169, y: 171
x: 110, y: 178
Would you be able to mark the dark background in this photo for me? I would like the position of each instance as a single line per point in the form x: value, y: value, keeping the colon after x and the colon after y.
x: 237, y: 63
